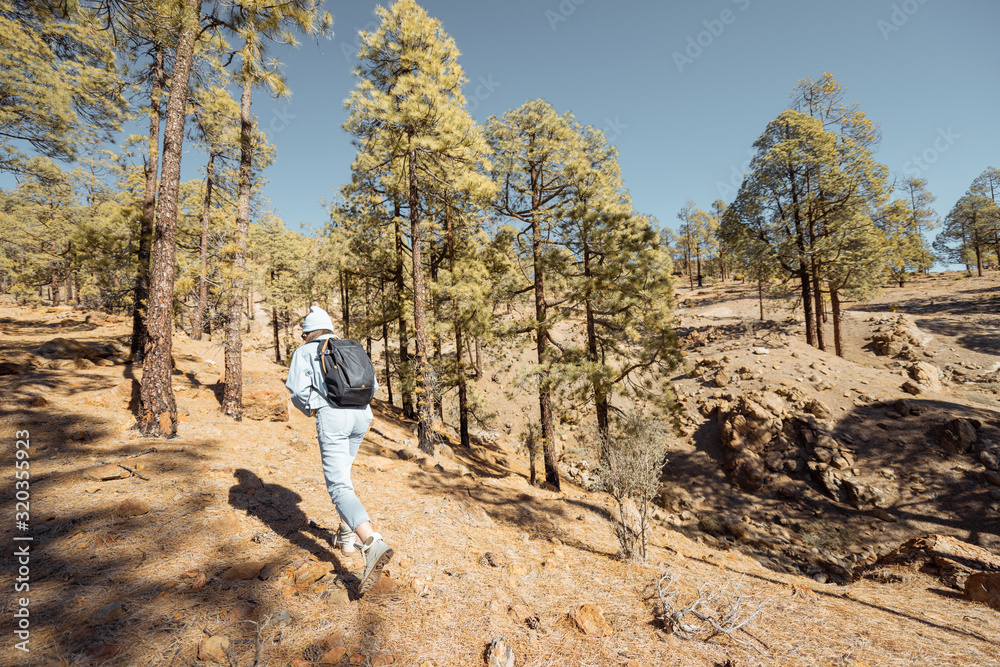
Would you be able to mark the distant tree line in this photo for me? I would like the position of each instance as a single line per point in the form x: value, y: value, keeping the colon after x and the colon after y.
x: 816, y: 211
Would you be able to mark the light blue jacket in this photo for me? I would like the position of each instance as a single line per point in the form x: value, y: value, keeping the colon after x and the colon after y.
x: 305, y: 378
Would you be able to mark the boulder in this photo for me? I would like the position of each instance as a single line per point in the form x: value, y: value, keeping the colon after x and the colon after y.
x: 984, y: 587
x: 951, y: 559
x: 264, y: 398
x: 590, y: 620
x: 927, y: 375
x: 64, y: 348
x: 958, y: 435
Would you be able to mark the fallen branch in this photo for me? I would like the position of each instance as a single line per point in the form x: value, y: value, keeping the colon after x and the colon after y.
x: 133, y: 471
x: 718, y: 613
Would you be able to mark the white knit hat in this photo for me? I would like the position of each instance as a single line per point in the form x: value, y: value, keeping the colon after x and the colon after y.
x: 316, y: 319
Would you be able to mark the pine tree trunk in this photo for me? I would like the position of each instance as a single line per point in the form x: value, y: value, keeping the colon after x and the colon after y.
x: 760, y: 298
x: 541, y: 348
x: 345, y: 303
x: 141, y: 294
x: 198, y: 322
x: 463, y: 391
x: 385, y: 357
x: 600, y: 398
x: 807, y: 304
x: 232, y: 400
x: 158, y: 409
x: 818, y: 305
x: 277, y: 340
x: 838, y: 344
x: 405, y: 395
x: 425, y: 415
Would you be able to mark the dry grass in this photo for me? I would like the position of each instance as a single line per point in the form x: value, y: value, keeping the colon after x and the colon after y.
x: 225, y: 493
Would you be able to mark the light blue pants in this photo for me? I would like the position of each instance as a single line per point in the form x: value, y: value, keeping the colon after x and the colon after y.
x: 340, y: 433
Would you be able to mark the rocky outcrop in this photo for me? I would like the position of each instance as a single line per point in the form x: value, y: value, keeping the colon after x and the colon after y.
x: 748, y: 430
x: 899, y: 337
x: 949, y: 559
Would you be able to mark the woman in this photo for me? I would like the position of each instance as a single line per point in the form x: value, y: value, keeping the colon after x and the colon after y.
x: 340, y: 432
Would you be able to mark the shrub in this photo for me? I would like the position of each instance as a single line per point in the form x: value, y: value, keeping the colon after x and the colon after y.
x: 632, y: 459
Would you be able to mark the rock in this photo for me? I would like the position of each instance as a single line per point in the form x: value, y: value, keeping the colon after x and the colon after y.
x: 337, y: 596
x: 309, y: 574
x: 266, y: 405
x: 382, y: 659
x: 109, y: 612
x: 132, y: 507
x: 883, y: 515
x: 408, y: 454
x: 993, y: 477
x: 590, y: 619
x: 214, y: 649
x: 984, y: 587
x: 106, y: 472
x: 243, y: 571
x: 385, y: 584
x: 760, y: 350
x: 903, y: 407
x: 498, y: 654
x: 823, y: 455
x: 952, y: 559
x: 11, y: 368
x: 989, y: 459
x: 818, y: 409
x: 721, y: 378
x: 862, y: 495
x: 927, y: 375
x: 911, y: 387
x: 958, y: 435
x: 64, y: 348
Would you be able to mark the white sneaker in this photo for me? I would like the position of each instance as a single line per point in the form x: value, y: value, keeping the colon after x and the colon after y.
x: 346, y: 540
x: 377, y: 553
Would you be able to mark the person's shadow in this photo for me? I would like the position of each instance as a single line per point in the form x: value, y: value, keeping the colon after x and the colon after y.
x: 278, y: 507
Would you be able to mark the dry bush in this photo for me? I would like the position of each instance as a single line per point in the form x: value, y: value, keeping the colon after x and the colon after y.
x: 632, y: 459
x: 724, y: 612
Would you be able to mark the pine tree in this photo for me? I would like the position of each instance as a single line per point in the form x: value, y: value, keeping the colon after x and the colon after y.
x: 158, y: 408
x: 619, y: 283
x: 60, y: 86
x: 409, y: 116
x: 968, y: 229
x: 534, y: 147
x: 255, y: 23
x: 812, y: 182
x: 987, y: 184
x: 904, y: 222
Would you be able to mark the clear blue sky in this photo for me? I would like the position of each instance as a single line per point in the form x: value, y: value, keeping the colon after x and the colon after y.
x: 682, y: 88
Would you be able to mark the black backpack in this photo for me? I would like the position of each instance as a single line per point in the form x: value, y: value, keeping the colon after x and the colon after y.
x: 349, y: 373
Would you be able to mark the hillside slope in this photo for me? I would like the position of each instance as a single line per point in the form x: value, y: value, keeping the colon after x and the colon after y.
x: 223, y: 532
